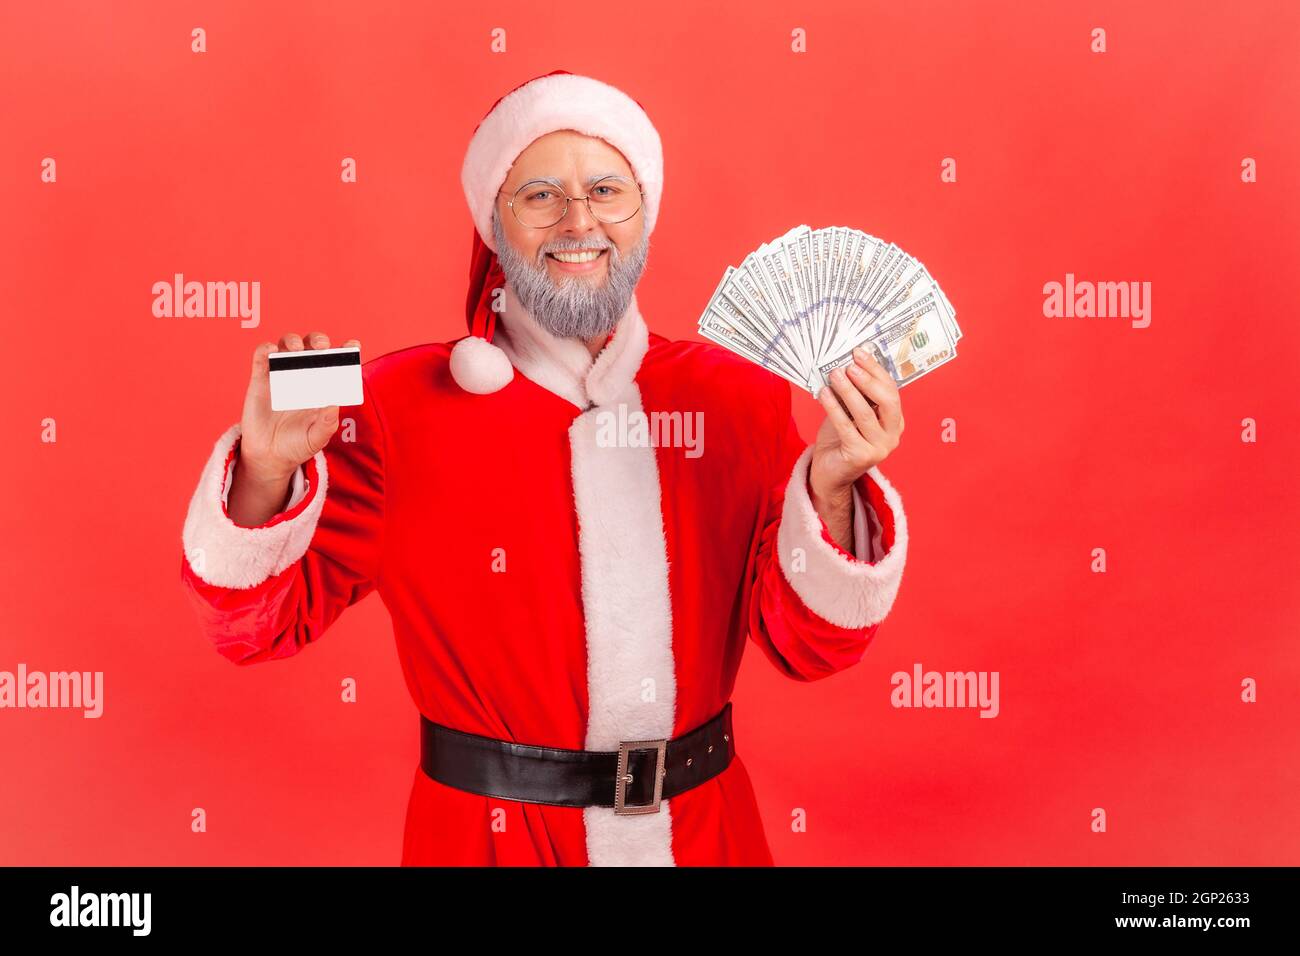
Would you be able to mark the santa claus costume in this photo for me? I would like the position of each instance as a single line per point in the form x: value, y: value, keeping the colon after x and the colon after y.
x: 549, y: 588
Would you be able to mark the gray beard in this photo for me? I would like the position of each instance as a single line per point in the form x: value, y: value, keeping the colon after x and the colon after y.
x: 572, y: 307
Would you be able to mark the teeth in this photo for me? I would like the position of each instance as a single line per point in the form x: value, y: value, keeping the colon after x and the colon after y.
x: 575, y: 256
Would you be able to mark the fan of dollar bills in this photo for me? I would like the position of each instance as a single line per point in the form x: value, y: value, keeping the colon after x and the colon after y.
x: 800, y: 304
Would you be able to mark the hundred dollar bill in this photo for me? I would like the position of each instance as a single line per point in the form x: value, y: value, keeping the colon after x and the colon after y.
x: 723, y: 319
x: 799, y: 304
x: 743, y: 304
x: 914, y: 343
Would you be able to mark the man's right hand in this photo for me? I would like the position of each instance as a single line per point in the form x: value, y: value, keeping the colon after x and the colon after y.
x: 274, y: 444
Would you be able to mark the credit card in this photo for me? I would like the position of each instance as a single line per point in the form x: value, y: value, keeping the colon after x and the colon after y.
x: 315, y: 378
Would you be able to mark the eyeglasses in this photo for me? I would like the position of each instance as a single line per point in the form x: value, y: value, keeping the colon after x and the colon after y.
x: 540, y: 204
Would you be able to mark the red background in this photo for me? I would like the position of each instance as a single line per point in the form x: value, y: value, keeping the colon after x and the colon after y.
x: 1118, y: 690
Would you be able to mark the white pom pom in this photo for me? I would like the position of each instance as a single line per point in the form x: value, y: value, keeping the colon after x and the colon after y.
x: 480, y: 367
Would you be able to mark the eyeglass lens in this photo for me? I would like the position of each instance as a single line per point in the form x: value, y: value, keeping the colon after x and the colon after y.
x: 612, y: 199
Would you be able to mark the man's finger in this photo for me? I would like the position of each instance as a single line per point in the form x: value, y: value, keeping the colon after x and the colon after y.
x: 871, y: 364
x: 261, y: 362
x: 844, y: 427
x: 884, y: 400
x: 864, y: 416
x: 323, y: 426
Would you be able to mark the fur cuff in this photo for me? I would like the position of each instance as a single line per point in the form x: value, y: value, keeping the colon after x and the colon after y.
x: 846, y: 592
x: 227, y: 555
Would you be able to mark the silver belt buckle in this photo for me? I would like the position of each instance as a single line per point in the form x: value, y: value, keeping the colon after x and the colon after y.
x: 623, y: 777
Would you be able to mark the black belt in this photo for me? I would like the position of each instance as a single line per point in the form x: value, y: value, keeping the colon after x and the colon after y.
x: 632, y: 779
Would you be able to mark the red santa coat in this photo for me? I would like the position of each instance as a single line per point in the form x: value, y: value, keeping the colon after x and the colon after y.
x: 552, y: 586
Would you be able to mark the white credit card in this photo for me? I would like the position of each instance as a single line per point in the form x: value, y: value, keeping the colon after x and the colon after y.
x: 315, y: 378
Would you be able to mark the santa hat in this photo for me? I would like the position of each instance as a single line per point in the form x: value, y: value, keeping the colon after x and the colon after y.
x: 557, y: 100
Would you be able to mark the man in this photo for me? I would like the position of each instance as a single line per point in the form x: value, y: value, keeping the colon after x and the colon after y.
x: 570, y: 610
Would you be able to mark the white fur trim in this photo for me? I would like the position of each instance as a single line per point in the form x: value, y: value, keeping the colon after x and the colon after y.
x: 558, y: 365
x: 565, y: 366
x: 617, y: 364
x: 480, y: 367
x: 547, y: 104
x: 236, y: 557
x: 845, y: 592
x: 628, y: 613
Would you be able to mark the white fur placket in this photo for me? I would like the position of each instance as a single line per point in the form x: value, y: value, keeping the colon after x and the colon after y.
x: 631, y: 675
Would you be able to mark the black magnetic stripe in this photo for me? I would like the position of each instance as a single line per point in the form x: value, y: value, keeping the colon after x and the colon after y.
x: 308, y: 359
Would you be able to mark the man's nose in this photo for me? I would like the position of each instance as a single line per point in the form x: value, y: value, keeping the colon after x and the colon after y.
x: 579, y: 221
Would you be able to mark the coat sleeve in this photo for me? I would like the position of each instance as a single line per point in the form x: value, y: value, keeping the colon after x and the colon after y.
x: 814, y: 607
x: 265, y: 592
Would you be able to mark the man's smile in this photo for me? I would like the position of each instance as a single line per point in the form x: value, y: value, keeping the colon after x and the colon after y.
x: 577, y: 260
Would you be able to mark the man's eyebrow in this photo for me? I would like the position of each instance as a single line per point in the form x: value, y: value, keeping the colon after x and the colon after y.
x: 555, y: 180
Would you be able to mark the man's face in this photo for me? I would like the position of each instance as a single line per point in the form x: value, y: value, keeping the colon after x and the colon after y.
x: 583, y: 299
